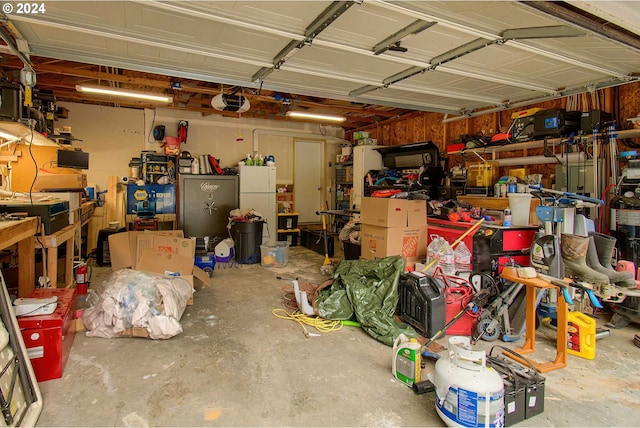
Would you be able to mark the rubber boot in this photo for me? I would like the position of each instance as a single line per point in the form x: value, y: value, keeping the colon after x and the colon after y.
x: 574, y: 253
x: 603, y: 246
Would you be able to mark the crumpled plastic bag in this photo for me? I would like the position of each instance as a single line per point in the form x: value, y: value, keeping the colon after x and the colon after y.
x: 367, y: 291
x: 136, y: 301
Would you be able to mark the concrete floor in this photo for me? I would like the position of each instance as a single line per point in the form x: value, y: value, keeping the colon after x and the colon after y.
x: 237, y: 365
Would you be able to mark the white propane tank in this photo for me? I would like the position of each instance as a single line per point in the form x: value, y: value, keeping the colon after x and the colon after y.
x: 468, y: 393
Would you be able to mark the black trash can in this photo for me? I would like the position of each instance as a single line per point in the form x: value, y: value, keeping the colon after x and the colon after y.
x: 247, y: 238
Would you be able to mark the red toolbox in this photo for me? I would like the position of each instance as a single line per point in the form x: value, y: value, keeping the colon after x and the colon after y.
x: 48, y: 338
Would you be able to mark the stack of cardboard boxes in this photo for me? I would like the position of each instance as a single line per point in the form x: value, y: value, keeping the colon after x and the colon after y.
x: 392, y: 227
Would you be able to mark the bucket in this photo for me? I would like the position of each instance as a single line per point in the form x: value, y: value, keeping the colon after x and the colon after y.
x: 247, y: 237
x: 468, y: 393
x: 520, y: 204
x: 405, y: 365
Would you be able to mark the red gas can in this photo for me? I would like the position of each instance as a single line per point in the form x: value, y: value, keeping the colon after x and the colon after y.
x: 457, y: 298
x: 48, y: 338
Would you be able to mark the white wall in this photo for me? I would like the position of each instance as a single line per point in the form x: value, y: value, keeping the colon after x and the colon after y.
x: 113, y: 136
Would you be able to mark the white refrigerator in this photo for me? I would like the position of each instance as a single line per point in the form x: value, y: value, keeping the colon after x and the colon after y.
x: 258, y: 191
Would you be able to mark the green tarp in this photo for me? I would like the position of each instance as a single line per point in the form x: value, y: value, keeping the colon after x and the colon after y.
x: 366, y: 291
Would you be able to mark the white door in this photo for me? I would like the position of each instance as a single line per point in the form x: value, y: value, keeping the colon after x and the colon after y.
x: 308, y: 179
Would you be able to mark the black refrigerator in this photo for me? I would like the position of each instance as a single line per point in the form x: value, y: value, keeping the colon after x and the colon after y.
x: 205, y: 202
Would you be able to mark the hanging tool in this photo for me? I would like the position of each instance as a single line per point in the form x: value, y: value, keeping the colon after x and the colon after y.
x: 183, y: 127
x: 327, y: 266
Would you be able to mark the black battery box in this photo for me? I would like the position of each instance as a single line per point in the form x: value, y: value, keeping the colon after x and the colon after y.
x: 594, y: 119
x: 421, y: 302
x: 555, y: 122
x: 524, y: 386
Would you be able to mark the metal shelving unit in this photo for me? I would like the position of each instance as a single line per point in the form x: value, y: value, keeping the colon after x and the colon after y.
x: 536, y: 144
x: 344, y: 185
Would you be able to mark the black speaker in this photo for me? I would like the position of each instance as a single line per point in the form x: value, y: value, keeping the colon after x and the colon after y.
x: 10, y: 101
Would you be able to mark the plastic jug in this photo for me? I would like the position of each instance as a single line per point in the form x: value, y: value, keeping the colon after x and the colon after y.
x: 462, y: 257
x: 447, y: 259
x: 406, y: 362
x: 432, y: 251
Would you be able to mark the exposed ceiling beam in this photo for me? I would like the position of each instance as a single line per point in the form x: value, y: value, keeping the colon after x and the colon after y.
x: 158, y: 82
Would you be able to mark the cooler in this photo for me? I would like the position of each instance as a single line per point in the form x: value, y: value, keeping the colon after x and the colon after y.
x: 48, y: 338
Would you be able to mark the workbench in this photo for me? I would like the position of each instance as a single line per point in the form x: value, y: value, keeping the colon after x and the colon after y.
x: 529, y: 345
x: 21, y: 232
x: 51, y: 243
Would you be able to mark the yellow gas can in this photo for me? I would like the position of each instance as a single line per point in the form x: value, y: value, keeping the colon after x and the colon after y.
x: 581, y: 336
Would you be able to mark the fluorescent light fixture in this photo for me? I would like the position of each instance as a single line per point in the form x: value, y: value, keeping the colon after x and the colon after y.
x: 302, y: 115
x: 124, y: 93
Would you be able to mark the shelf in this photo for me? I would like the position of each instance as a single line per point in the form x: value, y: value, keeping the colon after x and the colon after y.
x: 536, y: 144
x: 344, y: 163
x: 23, y: 132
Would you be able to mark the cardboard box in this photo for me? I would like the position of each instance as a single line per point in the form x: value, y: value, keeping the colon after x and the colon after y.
x: 163, y: 252
x: 389, y: 212
x: 377, y: 242
x: 55, y: 182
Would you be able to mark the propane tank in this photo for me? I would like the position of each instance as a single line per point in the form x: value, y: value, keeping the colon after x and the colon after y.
x: 406, y: 363
x: 468, y: 393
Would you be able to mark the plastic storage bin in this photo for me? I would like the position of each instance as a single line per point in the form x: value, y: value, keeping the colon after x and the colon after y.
x: 288, y: 221
x: 274, y: 255
x: 290, y: 236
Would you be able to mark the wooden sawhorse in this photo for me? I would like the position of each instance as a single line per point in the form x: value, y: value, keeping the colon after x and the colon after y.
x: 532, y: 284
